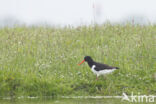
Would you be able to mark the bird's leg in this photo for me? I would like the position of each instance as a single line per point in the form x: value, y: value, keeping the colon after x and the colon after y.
x: 96, y: 77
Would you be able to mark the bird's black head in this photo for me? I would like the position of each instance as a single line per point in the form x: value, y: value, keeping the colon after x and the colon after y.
x: 88, y: 59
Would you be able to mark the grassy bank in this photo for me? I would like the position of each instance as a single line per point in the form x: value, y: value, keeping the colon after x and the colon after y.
x: 42, y: 61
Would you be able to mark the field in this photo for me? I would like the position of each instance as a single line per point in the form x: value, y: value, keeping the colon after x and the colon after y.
x: 42, y: 61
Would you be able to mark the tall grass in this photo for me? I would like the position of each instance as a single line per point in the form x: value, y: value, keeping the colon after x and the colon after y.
x: 42, y: 61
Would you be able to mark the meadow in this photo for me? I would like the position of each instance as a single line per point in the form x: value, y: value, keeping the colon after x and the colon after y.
x: 42, y: 60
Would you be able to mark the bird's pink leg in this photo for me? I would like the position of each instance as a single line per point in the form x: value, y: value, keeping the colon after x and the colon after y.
x: 96, y: 77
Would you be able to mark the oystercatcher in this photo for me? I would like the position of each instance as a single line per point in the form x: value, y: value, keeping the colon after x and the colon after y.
x: 98, y: 68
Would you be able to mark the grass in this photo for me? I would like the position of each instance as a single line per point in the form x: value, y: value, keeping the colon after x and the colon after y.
x: 42, y: 61
x: 70, y: 101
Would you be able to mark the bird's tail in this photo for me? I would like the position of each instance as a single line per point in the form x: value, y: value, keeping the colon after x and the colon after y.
x: 117, y: 67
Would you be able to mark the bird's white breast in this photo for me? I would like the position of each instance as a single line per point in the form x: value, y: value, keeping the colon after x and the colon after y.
x: 93, y: 69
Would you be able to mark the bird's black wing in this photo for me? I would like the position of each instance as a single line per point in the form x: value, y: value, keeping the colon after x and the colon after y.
x: 100, y: 66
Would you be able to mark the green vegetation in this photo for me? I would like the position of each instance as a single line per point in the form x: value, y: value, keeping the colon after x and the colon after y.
x: 69, y: 101
x: 42, y: 61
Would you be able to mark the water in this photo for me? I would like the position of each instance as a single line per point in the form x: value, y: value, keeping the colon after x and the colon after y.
x: 66, y: 101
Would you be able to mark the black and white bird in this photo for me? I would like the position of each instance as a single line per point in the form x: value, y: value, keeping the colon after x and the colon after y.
x: 98, y: 68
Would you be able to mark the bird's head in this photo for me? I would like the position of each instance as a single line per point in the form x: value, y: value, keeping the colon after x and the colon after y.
x: 87, y: 59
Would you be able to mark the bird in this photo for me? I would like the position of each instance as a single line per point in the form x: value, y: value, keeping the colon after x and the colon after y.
x: 98, y: 68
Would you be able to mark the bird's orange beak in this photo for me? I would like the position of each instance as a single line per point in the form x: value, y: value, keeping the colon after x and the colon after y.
x: 81, y: 62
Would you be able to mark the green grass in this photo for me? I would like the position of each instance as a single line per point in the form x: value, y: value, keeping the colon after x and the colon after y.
x: 70, y: 101
x: 42, y: 61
